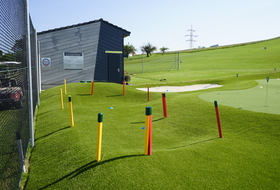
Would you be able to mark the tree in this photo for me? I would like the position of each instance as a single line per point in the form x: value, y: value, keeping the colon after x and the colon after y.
x: 129, y: 49
x: 163, y: 49
x: 148, y: 49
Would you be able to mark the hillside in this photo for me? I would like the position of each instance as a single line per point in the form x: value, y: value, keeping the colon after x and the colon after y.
x: 187, y: 152
x: 209, y: 63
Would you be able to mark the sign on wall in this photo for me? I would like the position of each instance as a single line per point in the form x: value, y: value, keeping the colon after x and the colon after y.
x: 46, y: 63
x: 73, y: 61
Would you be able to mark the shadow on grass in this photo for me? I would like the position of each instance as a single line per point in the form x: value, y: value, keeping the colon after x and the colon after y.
x: 52, y: 133
x: 144, y: 121
x: 115, y: 95
x: 87, y: 167
x: 194, y: 143
x: 48, y: 111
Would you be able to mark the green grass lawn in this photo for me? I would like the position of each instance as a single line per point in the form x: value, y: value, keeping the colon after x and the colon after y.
x: 262, y: 98
x: 187, y: 153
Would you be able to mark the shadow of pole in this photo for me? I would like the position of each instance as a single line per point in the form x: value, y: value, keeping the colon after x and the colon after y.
x: 87, y: 167
x: 53, y: 133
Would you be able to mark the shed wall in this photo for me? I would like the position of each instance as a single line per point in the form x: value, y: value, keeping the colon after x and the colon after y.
x: 110, y: 39
x: 83, y: 39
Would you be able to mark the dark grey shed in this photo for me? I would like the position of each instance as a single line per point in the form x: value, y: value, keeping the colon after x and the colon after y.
x: 100, y: 43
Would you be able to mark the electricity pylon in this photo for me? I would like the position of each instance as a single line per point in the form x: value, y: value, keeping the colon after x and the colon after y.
x: 191, y: 40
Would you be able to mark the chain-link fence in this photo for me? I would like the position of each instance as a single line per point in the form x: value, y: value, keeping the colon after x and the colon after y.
x: 15, y: 96
x: 156, y: 62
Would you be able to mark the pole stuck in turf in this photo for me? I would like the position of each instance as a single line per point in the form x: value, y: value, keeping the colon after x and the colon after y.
x: 123, y: 84
x: 218, y: 119
x: 61, y: 100
x: 92, y: 88
x: 99, y: 136
x: 148, y: 93
x: 237, y: 82
x: 65, y: 91
x: 71, y: 111
x: 148, y: 132
x: 164, y: 105
x: 267, y: 79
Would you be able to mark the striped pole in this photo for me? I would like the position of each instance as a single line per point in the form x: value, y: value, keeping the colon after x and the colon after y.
x: 164, y: 105
x: 148, y: 132
x: 65, y: 91
x: 71, y: 111
x: 99, y: 136
x: 61, y: 99
x: 92, y: 88
x: 218, y: 119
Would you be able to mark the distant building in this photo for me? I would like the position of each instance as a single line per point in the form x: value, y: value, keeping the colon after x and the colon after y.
x: 90, y: 51
x: 216, y: 45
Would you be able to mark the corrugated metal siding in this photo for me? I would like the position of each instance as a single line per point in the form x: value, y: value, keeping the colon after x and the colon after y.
x: 92, y: 39
x: 83, y: 38
x: 111, y: 38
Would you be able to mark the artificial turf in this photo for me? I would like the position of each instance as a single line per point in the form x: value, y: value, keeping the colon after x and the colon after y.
x: 262, y: 98
x: 187, y: 151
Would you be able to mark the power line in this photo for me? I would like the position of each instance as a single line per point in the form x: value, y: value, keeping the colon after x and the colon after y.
x: 191, y: 40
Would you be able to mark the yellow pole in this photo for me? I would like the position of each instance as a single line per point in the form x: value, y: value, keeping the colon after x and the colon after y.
x: 71, y: 112
x: 65, y: 92
x: 61, y: 99
x: 99, y: 137
x: 146, y: 131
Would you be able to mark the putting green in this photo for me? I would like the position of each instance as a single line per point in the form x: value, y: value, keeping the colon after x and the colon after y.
x: 265, y: 97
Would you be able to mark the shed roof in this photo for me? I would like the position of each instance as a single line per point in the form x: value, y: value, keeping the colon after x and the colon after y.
x: 126, y: 33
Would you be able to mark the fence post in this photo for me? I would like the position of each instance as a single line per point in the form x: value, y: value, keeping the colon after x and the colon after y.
x: 20, y: 152
x: 31, y: 116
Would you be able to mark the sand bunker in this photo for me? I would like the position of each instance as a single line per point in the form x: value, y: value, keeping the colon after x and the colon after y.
x: 180, y: 88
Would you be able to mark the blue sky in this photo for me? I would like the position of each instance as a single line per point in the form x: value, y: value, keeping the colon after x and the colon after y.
x: 166, y: 22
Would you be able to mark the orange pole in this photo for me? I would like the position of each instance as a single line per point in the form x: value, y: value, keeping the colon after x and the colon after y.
x: 92, y: 88
x: 148, y: 132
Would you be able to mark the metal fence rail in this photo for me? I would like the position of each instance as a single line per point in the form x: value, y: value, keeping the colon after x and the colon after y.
x: 15, y: 88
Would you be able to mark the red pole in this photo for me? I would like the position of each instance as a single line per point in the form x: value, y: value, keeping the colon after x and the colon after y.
x: 218, y: 119
x: 148, y: 91
x: 164, y: 104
